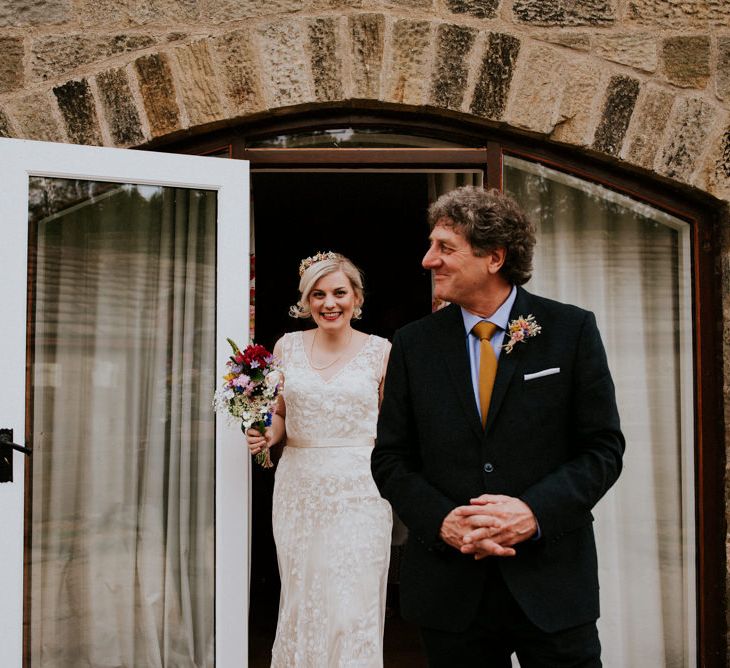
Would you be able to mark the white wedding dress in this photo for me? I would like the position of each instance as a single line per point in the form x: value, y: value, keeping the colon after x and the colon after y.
x: 331, y: 527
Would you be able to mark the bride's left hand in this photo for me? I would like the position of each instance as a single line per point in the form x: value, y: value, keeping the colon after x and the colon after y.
x: 257, y: 442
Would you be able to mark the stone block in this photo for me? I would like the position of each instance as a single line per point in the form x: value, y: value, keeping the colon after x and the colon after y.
x: 137, y: 12
x: 412, y: 4
x: 119, y: 109
x: 316, y: 6
x: 565, y: 14
x: 638, y: 50
x: 35, y: 118
x: 326, y: 62
x: 5, y: 129
x: 76, y: 104
x: 34, y: 12
x: 56, y: 55
x: 11, y: 63
x: 495, y: 75
x: 577, y: 41
x: 410, y: 62
x: 576, y: 115
x: 717, y: 183
x: 616, y: 113
x: 239, y: 70
x: 691, y: 13
x: 198, y: 85
x: 537, y: 90
x: 158, y: 93
x: 688, y: 129
x: 647, y: 126
x: 481, y: 9
x: 284, y: 64
x: 367, y: 34
x: 227, y: 11
x: 722, y: 70
x: 453, y: 49
x: 687, y: 60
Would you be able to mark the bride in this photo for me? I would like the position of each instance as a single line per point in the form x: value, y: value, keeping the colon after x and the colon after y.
x: 331, y: 527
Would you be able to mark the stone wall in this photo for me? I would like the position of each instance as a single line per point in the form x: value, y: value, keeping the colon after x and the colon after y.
x: 643, y: 82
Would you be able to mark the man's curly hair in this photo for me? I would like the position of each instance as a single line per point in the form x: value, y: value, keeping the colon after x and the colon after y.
x: 489, y: 219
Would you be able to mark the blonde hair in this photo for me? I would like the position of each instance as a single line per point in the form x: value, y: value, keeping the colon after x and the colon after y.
x: 322, y: 268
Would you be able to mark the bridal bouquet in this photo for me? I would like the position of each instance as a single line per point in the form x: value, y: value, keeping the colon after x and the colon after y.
x: 250, y: 390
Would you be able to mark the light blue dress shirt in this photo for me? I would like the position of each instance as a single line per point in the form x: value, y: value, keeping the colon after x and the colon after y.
x: 500, y: 318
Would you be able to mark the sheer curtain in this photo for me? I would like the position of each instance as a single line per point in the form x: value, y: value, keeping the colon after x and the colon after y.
x: 629, y: 263
x: 122, y: 532
x: 440, y: 183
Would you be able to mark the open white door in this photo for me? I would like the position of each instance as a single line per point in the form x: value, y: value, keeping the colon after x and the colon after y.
x: 125, y: 532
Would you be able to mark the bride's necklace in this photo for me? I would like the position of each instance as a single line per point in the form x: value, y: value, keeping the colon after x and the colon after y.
x: 329, y: 364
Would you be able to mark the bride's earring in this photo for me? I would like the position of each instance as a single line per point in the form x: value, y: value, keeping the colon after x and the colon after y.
x: 357, y: 313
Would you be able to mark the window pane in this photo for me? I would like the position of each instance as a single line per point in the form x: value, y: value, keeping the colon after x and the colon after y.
x: 630, y: 264
x: 351, y: 138
x: 122, y: 291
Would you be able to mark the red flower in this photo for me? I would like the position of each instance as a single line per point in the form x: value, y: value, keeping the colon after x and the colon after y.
x: 256, y: 353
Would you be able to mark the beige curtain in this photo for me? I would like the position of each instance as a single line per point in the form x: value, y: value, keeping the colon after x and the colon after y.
x: 440, y: 183
x: 629, y: 264
x: 122, y: 536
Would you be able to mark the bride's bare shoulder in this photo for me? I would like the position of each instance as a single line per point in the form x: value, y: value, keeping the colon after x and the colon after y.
x: 359, y: 337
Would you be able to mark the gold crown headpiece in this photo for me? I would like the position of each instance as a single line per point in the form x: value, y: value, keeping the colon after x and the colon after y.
x: 309, y: 261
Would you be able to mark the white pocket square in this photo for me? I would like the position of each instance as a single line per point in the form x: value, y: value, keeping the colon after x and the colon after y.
x: 540, y: 374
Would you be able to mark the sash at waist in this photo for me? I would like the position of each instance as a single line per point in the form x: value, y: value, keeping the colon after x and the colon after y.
x: 356, y: 442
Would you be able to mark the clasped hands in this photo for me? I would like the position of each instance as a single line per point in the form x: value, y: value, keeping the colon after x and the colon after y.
x: 490, y: 526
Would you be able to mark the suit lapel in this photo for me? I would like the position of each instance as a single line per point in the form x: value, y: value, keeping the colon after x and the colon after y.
x: 508, y: 363
x: 452, y: 345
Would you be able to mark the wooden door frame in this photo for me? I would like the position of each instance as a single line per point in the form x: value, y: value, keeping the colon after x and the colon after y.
x: 486, y: 147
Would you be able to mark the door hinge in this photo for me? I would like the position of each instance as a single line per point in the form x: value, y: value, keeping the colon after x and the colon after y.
x: 6, y: 454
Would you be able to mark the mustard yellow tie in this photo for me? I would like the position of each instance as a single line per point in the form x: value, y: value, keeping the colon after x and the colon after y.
x: 487, y: 365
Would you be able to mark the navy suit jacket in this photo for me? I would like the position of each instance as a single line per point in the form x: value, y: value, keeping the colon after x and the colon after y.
x: 553, y: 441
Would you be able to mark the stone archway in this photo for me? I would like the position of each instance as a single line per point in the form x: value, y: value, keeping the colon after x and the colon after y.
x: 630, y: 88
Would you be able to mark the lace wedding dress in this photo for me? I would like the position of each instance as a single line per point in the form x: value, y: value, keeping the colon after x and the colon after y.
x: 332, y: 528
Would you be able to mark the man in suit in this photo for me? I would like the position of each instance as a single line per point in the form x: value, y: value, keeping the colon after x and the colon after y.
x: 493, y: 449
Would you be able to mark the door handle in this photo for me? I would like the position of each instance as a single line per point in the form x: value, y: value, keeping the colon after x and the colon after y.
x: 6, y: 454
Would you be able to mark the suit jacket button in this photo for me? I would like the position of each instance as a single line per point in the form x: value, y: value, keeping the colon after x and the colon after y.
x: 488, y: 468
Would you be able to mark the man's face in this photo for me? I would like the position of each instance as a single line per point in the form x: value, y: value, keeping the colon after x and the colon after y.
x: 458, y: 275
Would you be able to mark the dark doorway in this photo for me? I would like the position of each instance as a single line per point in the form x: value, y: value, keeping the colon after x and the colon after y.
x: 379, y: 221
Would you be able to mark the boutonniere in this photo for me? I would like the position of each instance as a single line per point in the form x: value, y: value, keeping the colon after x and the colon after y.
x: 520, y: 330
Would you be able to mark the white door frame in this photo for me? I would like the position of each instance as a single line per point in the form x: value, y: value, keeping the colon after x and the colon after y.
x: 20, y: 159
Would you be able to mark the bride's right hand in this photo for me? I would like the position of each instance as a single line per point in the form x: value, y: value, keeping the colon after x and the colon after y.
x: 256, y: 442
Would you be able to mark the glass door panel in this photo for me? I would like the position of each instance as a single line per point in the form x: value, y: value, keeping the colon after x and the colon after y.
x: 121, y: 555
x: 630, y: 263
